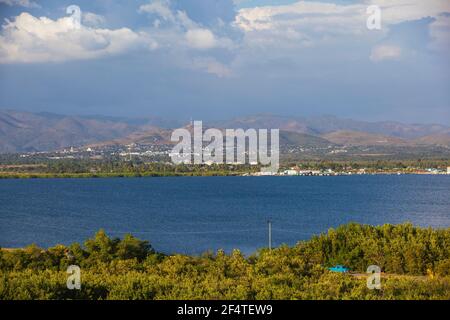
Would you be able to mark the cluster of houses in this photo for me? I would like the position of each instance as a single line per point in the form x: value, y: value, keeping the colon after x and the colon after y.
x: 438, y: 171
x: 298, y: 172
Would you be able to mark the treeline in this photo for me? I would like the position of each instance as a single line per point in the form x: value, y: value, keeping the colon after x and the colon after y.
x: 137, y: 166
x: 13, y: 163
x: 416, y: 262
x: 398, y: 249
x: 79, y: 168
x: 22, y: 175
x: 403, y: 165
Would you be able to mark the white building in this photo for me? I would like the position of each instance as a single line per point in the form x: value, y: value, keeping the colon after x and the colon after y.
x: 265, y: 173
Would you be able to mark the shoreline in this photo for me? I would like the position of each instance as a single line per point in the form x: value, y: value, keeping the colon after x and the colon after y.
x: 19, y: 176
x: 323, y: 233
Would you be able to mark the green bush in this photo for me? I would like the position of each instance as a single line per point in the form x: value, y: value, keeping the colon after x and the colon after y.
x: 416, y: 263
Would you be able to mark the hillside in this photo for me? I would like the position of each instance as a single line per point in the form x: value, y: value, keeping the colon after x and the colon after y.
x: 435, y: 139
x: 357, y: 138
x: 27, y: 132
x: 288, y: 138
x: 267, y: 121
x: 326, y: 124
x: 23, y: 131
x: 150, y: 136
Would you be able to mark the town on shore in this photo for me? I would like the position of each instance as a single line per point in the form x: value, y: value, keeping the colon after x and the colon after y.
x: 298, y: 171
x: 137, y: 161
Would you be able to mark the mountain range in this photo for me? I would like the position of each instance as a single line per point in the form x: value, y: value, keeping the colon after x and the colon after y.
x: 28, y: 132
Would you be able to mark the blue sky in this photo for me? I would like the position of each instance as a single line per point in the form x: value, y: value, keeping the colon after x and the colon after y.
x: 219, y: 59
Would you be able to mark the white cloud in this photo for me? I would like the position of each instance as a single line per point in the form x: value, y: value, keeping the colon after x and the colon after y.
x: 385, y: 52
x: 28, y: 39
x: 212, y: 66
x: 92, y: 20
x: 331, y: 18
x: 180, y: 30
x: 160, y: 8
x: 323, y: 16
x: 176, y: 32
x: 201, y: 38
x: 440, y: 34
x: 312, y: 15
x: 396, y: 11
x: 265, y: 34
x: 21, y: 3
x: 287, y: 29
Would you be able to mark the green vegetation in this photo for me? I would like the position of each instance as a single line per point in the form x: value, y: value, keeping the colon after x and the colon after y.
x: 16, y: 168
x: 108, y: 169
x: 416, y: 262
x: 372, y: 166
x: 115, y: 175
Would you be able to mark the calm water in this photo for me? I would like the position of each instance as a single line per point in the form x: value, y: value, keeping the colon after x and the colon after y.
x: 194, y: 214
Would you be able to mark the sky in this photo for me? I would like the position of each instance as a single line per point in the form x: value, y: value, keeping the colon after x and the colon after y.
x: 220, y: 59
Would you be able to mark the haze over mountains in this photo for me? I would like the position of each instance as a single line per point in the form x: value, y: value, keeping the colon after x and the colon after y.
x: 28, y: 132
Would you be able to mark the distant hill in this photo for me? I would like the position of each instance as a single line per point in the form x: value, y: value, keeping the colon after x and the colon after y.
x: 327, y: 124
x: 25, y: 131
x: 357, y: 138
x: 288, y: 138
x: 442, y: 139
x: 267, y: 121
x: 148, y: 136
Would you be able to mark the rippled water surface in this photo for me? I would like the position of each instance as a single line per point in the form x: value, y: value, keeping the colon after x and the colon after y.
x: 194, y: 214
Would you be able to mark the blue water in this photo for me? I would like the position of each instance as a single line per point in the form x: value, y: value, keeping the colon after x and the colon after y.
x: 194, y: 214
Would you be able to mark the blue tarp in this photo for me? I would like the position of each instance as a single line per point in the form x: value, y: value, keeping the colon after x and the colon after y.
x: 339, y: 268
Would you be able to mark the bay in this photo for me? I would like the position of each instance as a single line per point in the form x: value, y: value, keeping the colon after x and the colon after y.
x: 194, y: 214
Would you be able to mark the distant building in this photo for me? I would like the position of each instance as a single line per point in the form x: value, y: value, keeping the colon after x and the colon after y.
x: 448, y: 170
x: 266, y: 173
x: 291, y: 172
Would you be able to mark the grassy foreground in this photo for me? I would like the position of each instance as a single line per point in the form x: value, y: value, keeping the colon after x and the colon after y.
x: 416, y: 263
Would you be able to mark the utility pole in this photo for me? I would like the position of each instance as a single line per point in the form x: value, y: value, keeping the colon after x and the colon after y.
x: 269, y: 222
